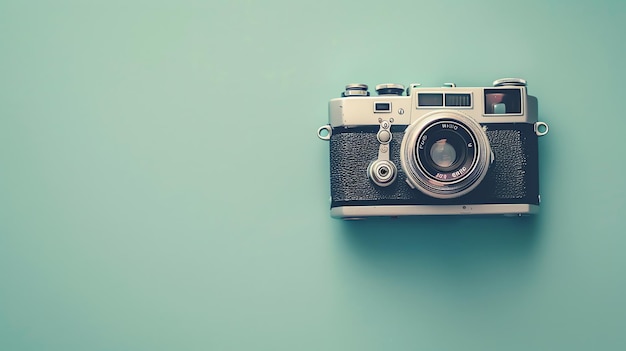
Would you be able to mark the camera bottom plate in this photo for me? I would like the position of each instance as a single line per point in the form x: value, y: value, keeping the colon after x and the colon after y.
x: 358, y: 212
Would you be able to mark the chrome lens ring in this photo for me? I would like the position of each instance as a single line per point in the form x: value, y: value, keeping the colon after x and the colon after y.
x: 463, y: 176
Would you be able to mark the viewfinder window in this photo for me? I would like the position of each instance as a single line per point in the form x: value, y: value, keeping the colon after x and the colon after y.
x: 429, y: 100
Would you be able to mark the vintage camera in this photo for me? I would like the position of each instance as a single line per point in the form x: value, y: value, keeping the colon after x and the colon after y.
x: 434, y: 151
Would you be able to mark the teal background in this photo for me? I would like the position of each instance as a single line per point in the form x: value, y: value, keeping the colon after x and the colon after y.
x: 162, y: 186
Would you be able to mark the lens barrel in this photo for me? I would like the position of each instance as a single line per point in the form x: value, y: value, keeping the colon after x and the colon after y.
x: 445, y: 154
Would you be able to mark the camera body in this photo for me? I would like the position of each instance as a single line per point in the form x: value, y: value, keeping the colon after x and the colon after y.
x: 434, y: 151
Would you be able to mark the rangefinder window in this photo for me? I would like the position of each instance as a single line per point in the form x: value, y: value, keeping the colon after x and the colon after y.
x: 382, y: 107
x: 429, y: 100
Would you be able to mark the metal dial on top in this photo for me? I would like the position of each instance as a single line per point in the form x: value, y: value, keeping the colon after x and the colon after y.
x: 390, y: 89
x: 356, y: 89
x: 509, y: 82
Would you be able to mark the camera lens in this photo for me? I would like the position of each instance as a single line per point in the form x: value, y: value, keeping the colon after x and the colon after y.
x: 445, y: 154
x: 447, y: 148
x: 446, y: 151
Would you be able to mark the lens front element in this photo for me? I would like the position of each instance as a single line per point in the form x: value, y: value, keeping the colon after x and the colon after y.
x: 445, y: 154
x: 442, y: 153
